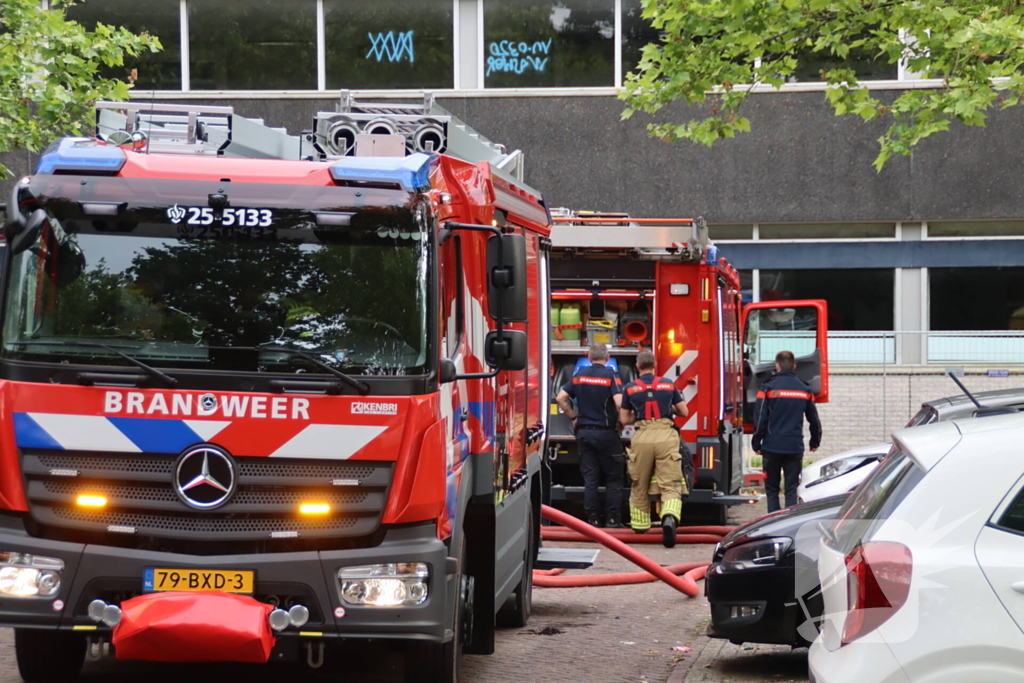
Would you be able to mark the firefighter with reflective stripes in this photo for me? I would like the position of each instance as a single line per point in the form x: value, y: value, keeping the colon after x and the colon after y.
x: 650, y: 403
x: 597, y: 391
x: 782, y: 404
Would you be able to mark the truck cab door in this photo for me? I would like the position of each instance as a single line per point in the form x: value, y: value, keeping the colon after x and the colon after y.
x: 772, y: 326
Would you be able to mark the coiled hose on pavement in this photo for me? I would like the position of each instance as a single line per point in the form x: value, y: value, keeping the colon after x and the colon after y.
x: 682, y: 577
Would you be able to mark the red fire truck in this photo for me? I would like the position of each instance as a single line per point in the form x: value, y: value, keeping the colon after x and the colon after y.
x: 307, y: 371
x: 658, y: 284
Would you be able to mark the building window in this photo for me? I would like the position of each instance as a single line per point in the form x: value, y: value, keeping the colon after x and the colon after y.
x: 976, y: 298
x: 825, y: 231
x: 867, y: 66
x: 747, y: 286
x: 252, y: 44
x: 636, y: 32
x: 730, y: 231
x: 976, y: 229
x: 161, y: 18
x: 858, y: 299
x: 531, y: 44
x: 389, y: 44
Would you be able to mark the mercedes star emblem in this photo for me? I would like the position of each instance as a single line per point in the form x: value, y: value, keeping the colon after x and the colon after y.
x: 204, y: 477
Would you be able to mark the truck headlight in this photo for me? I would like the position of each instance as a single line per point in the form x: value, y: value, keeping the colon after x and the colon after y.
x: 385, y: 585
x: 29, y: 576
x: 755, y: 555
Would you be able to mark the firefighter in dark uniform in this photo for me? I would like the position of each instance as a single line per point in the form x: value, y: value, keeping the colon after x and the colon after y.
x: 650, y: 402
x: 598, y: 392
x: 782, y: 404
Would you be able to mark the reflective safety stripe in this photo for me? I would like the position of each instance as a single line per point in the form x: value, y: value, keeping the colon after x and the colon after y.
x: 789, y: 393
x: 672, y: 507
x: 594, y: 381
x: 638, y: 519
x: 652, y: 411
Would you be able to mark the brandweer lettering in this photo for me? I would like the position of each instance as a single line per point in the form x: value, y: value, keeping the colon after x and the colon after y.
x: 205, y: 405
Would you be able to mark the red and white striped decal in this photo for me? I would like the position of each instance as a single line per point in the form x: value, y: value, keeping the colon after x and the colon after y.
x: 689, y: 391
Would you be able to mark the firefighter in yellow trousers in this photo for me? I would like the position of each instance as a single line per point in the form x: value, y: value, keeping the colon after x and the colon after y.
x: 650, y: 403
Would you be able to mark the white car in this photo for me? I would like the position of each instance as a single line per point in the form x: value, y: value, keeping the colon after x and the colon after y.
x: 839, y: 473
x: 843, y: 472
x: 923, y: 571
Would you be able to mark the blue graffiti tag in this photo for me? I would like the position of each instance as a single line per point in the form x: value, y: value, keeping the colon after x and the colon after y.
x: 393, y: 46
x: 509, y: 56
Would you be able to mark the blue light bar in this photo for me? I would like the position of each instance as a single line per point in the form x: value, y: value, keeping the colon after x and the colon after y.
x: 411, y: 173
x: 83, y: 155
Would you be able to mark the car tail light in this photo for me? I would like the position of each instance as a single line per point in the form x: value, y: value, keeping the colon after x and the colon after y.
x: 877, y: 584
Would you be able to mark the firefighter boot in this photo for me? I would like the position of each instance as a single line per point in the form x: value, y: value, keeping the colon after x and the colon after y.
x: 639, y: 520
x: 672, y: 510
x: 668, y: 531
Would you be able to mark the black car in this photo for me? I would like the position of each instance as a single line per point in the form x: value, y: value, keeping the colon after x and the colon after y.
x: 763, y: 581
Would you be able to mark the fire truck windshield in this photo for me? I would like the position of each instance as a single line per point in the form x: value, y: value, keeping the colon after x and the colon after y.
x: 183, y: 285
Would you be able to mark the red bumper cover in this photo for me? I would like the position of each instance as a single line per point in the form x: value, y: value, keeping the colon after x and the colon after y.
x: 194, y: 627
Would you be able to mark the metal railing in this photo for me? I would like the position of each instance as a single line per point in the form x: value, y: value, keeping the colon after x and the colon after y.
x: 994, y: 349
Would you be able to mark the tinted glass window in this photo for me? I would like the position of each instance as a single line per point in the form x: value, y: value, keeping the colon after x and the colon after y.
x: 874, y: 501
x: 731, y: 231
x: 865, y: 64
x: 977, y: 299
x: 976, y: 229
x: 636, y: 32
x: 252, y: 44
x: 389, y: 43
x: 1013, y: 518
x: 161, y: 18
x: 530, y: 44
x: 825, y: 231
x: 858, y: 299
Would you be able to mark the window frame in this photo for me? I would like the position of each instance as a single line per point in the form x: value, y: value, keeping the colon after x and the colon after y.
x: 455, y: 347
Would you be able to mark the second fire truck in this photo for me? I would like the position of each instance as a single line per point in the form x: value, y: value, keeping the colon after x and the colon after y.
x: 659, y: 284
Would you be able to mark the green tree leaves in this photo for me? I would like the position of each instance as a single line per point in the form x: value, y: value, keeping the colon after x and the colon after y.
x: 48, y: 72
x: 714, y: 51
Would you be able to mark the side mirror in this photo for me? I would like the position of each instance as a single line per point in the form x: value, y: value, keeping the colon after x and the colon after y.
x: 446, y: 371
x: 507, y: 352
x: 70, y: 263
x: 24, y: 238
x: 506, y: 278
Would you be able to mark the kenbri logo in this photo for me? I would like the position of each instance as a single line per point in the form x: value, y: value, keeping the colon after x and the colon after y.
x: 368, y: 408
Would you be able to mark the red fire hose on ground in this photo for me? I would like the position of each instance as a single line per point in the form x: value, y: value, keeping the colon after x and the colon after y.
x: 614, y: 539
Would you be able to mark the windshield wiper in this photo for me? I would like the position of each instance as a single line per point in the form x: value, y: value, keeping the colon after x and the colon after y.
x: 360, y: 386
x: 149, y: 369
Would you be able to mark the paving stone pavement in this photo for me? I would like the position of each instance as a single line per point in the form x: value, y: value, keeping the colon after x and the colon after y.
x: 576, y: 635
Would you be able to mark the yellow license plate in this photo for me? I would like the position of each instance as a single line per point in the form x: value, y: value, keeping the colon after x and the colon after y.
x: 226, y: 581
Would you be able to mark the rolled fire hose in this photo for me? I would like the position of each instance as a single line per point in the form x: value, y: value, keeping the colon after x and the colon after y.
x: 687, y: 583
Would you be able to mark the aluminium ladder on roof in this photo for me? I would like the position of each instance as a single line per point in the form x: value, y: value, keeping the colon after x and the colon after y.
x: 219, y: 131
x: 683, y: 239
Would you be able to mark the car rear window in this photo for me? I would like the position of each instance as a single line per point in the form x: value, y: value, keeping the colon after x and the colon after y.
x: 1013, y: 518
x: 873, y: 502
